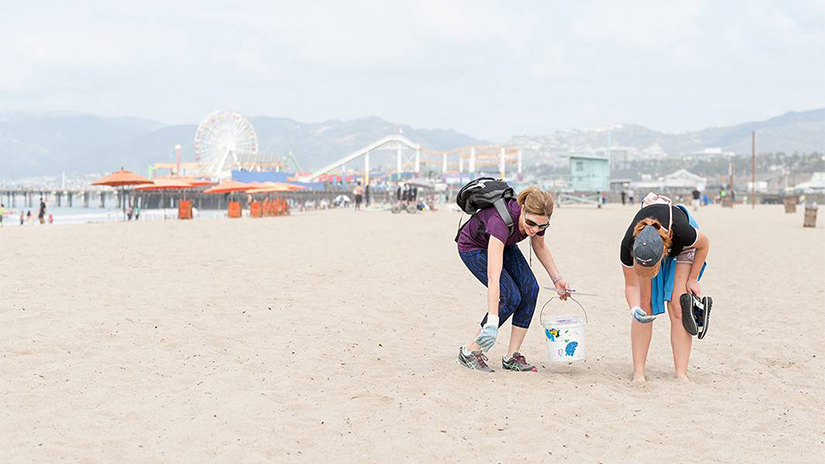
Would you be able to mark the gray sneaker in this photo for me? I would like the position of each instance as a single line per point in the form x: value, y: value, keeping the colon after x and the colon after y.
x: 517, y: 363
x: 476, y: 361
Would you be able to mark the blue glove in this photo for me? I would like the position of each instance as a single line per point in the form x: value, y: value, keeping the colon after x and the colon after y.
x: 487, y: 338
x: 640, y: 315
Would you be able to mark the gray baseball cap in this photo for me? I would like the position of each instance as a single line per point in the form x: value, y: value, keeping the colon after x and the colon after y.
x: 648, y: 247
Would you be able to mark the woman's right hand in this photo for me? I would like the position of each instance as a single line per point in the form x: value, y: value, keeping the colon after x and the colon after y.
x: 562, y: 288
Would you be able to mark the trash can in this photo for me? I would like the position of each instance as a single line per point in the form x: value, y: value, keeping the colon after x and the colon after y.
x: 790, y: 204
x: 234, y: 209
x: 255, y: 209
x: 810, y: 215
x: 185, y: 209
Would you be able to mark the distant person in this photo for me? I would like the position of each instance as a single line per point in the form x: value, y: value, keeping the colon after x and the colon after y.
x: 51, y: 218
x: 398, y: 193
x: 359, y: 195
x: 28, y: 216
x: 367, y: 195
x: 624, y: 197
x: 129, y: 213
x: 41, y: 215
x: 2, y: 213
x: 137, y: 213
x: 21, y: 218
x: 697, y: 195
x: 663, y: 257
x: 488, y: 247
x: 631, y: 196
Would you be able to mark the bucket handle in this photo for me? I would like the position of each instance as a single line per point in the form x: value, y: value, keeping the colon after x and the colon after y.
x: 541, y: 313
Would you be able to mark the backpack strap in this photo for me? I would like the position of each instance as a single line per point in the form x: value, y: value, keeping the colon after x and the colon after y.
x: 504, y: 212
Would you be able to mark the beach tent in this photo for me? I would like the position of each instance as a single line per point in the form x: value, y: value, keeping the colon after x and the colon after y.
x: 121, y: 179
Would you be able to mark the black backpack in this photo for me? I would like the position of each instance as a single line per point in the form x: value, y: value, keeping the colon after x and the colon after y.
x: 482, y: 193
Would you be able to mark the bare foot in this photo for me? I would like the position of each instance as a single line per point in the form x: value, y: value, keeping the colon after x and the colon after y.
x: 639, y: 380
x: 682, y: 377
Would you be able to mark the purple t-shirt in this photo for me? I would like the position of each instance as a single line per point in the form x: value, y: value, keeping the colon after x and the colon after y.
x: 471, y: 238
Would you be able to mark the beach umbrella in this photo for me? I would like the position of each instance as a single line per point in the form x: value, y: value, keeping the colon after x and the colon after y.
x: 122, y: 179
x: 164, y: 184
x: 228, y: 187
x: 194, y: 181
x: 273, y: 187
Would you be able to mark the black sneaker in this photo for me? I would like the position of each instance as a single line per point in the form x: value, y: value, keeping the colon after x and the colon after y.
x: 689, y: 308
x: 517, y: 363
x: 707, y: 303
x: 476, y: 361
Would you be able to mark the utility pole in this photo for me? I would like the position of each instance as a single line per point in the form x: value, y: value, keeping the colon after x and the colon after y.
x: 753, y: 170
x: 177, y: 159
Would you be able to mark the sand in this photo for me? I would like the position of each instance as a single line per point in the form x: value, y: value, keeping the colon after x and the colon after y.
x: 332, y: 336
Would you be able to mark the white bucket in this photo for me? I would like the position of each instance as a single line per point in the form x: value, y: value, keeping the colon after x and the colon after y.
x: 564, y: 334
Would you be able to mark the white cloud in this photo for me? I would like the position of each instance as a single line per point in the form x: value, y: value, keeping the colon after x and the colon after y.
x: 428, y: 63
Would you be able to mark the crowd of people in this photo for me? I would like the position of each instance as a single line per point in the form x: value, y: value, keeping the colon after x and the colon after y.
x: 43, y: 214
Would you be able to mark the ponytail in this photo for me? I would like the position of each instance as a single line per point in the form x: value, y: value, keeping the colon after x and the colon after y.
x: 666, y: 239
x: 536, y: 201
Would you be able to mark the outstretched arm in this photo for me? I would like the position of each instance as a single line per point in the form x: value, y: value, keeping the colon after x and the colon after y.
x: 637, y: 294
x: 546, y: 259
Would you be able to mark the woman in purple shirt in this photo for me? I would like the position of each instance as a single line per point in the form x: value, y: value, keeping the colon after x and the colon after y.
x: 488, y: 249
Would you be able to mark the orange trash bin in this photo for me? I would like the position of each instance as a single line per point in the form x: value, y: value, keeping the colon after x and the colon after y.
x: 255, y: 209
x: 185, y: 209
x: 234, y: 209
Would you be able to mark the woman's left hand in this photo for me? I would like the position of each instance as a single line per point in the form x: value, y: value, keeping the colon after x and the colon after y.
x: 693, y: 287
x: 562, y: 287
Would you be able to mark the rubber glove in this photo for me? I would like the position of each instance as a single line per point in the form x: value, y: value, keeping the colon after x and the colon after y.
x: 640, y: 315
x: 487, y: 338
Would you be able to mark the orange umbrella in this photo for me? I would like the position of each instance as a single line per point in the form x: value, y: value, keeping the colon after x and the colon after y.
x: 162, y: 184
x: 228, y: 187
x: 121, y: 179
x: 272, y: 187
x: 193, y: 181
x: 269, y: 189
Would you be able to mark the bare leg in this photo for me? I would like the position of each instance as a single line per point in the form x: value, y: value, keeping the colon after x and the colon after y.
x: 640, y: 336
x: 516, y: 338
x: 473, y: 346
x: 680, y: 340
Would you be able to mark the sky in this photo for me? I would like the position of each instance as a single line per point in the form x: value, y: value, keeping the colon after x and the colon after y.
x: 488, y: 69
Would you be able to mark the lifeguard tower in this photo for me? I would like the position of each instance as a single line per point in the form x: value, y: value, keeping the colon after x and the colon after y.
x: 589, y: 176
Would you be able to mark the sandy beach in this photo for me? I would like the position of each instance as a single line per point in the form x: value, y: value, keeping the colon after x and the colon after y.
x: 332, y: 336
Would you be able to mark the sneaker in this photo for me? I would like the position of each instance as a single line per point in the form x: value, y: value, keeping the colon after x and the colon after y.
x: 476, y: 361
x: 517, y: 363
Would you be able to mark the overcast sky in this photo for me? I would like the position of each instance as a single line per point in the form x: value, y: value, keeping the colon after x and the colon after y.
x: 489, y: 69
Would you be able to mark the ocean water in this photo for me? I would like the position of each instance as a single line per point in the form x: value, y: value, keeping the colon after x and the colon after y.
x: 79, y: 215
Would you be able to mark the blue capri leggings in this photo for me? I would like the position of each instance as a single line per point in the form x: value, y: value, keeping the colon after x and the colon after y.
x: 518, y: 286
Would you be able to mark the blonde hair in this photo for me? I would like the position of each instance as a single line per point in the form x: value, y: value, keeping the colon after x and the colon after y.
x: 536, y: 201
x: 650, y: 272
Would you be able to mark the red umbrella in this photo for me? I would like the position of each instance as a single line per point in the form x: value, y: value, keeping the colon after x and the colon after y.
x: 121, y: 179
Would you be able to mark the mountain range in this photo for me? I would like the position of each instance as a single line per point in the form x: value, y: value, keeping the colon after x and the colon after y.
x: 48, y: 144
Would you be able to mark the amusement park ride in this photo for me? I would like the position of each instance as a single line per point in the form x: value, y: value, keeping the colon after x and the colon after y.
x: 226, y: 140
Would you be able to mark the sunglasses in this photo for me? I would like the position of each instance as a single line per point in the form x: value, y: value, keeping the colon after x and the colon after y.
x: 533, y: 224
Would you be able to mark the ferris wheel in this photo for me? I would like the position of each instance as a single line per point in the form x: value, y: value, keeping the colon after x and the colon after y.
x: 224, y: 140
